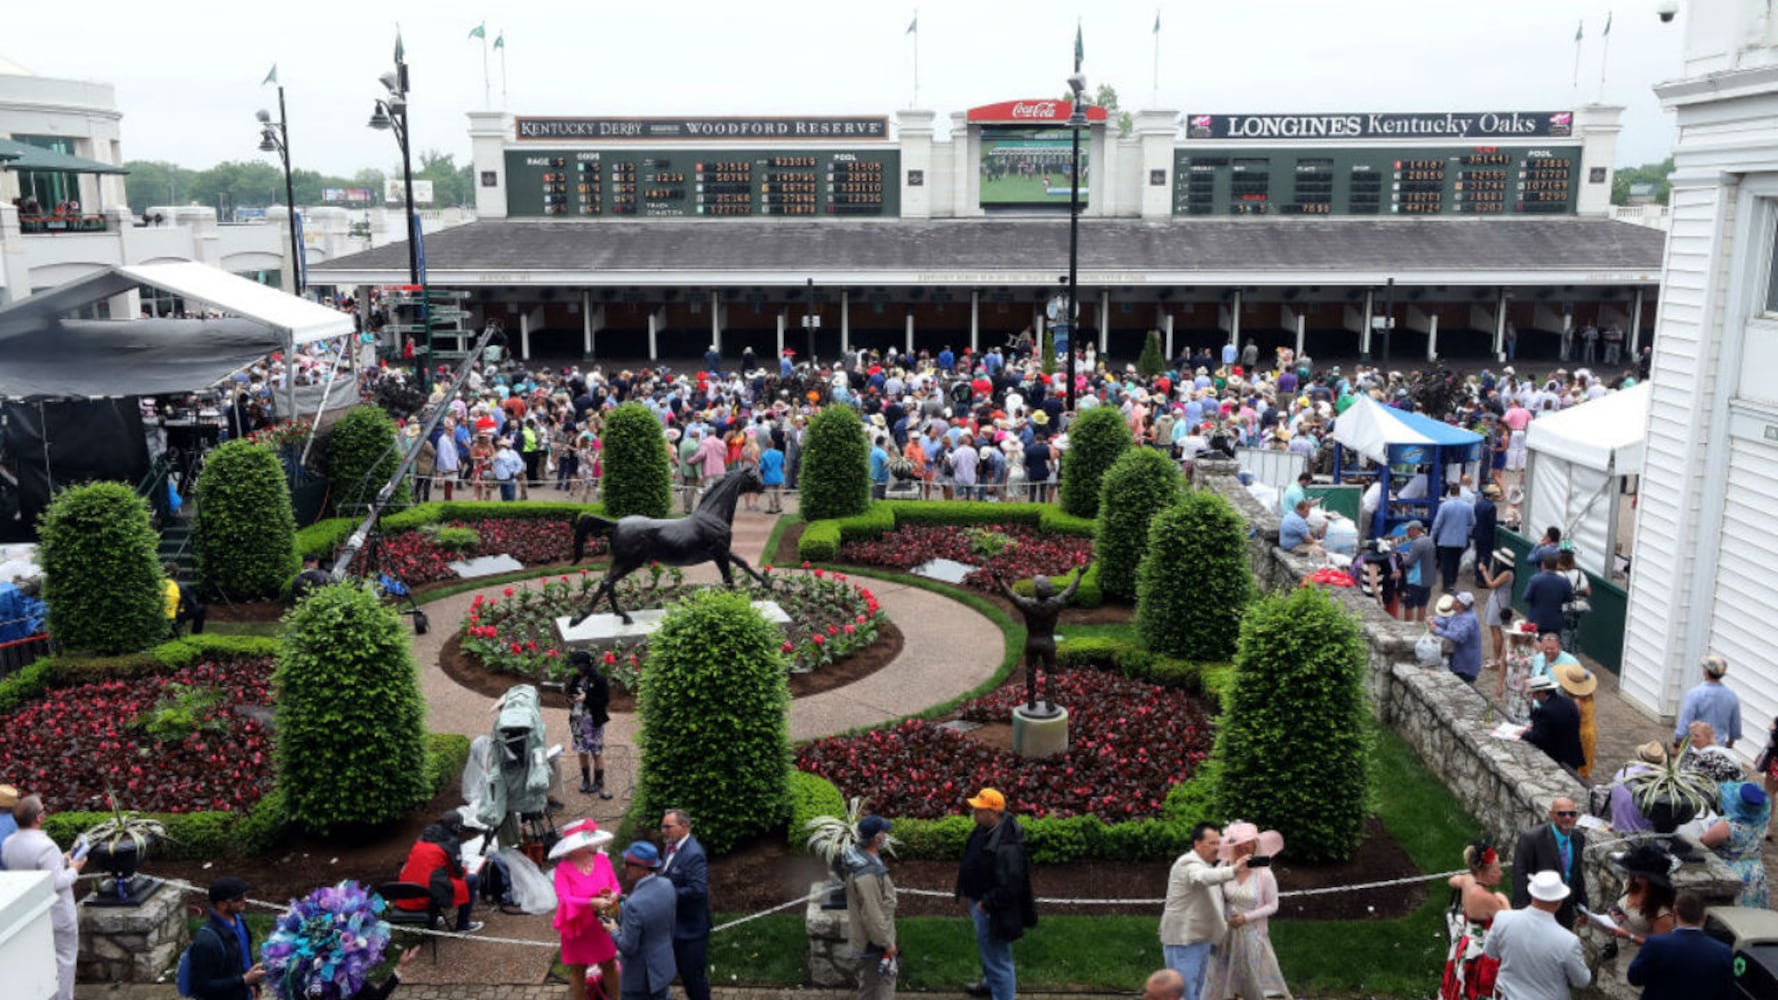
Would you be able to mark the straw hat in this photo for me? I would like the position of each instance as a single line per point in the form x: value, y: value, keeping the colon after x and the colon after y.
x: 1652, y: 753
x: 1447, y: 606
x: 1575, y: 679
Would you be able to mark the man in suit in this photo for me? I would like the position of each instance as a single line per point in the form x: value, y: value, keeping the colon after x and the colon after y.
x: 1684, y: 963
x: 1555, y: 724
x: 643, y: 930
x: 1192, y: 920
x: 688, y: 869
x: 1555, y: 846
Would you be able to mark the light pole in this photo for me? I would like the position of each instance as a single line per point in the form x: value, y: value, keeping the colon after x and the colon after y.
x: 274, y: 137
x: 809, y: 321
x: 391, y: 114
x: 1388, y: 318
x: 1077, y: 120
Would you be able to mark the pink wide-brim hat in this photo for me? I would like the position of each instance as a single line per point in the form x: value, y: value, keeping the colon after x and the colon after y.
x: 1271, y: 842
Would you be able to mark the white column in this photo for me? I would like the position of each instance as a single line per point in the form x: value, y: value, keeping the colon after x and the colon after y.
x: 1636, y: 328
x: 1167, y: 333
x: 910, y: 333
x: 1104, y: 323
x: 653, y: 352
x: 1432, y: 337
x: 1364, y: 335
x: 1235, y: 320
x: 975, y: 320
x: 1302, y: 329
x: 845, y: 321
x: 586, y: 322
x: 780, y: 333
x: 1500, y: 326
x: 716, y: 320
x: 525, y: 335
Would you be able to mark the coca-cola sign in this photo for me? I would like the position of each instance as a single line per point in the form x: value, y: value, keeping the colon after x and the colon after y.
x: 1036, y: 110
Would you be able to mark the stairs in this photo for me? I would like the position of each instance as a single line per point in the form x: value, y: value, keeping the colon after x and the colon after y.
x: 177, y: 547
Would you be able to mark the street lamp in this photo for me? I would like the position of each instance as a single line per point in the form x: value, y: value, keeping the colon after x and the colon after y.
x: 390, y: 114
x: 274, y: 137
x: 810, y: 323
x: 1388, y: 318
x: 1077, y: 120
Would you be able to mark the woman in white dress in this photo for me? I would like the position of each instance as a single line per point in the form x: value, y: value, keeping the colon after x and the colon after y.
x: 1244, y: 964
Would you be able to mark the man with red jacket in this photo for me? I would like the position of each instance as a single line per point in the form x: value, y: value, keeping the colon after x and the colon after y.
x: 434, y: 863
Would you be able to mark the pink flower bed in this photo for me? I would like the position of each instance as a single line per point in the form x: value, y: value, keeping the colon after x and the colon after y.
x: 1027, y: 552
x: 415, y: 558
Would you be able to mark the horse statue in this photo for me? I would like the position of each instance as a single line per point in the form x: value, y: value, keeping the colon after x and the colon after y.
x: 701, y: 537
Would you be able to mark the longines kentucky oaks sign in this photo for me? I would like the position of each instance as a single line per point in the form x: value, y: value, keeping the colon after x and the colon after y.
x: 1464, y: 125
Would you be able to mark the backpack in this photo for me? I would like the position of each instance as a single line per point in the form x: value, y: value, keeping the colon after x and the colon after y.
x: 183, y: 977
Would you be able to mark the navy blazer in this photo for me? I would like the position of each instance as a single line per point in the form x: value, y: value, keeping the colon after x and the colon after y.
x: 1555, y: 729
x: 689, y: 871
x: 1683, y: 964
x: 645, y: 937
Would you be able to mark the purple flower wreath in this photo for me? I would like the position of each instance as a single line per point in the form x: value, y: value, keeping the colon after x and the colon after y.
x: 324, y: 946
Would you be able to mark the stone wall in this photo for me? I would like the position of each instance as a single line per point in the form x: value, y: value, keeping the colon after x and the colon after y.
x: 131, y: 944
x: 831, y: 963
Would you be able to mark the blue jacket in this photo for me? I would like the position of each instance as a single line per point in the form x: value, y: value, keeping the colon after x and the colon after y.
x: 645, y: 937
x: 689, y: 871
x: 1683, y: 964
x: 1466, y: 641
x: 1453, y: 523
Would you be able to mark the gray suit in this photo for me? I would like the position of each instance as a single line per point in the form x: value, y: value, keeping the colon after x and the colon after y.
x: 645, y: 938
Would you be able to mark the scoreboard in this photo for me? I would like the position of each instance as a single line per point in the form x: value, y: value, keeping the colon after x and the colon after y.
x: 1443, y: 180
x: 692, y: 183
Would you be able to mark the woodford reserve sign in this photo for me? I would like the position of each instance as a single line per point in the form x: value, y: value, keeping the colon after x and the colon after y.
x: 1478, y: 125
x: 797, y: 128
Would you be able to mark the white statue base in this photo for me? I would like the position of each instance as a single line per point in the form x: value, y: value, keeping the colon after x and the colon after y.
x: 605, y: 629
x: 1040, y: 735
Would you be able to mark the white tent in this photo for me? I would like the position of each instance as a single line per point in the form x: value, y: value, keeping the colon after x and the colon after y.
x: 1577, y: 458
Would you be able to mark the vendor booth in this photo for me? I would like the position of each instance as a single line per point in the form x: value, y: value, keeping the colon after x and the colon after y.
x: 1574, y: 473
x: 1410, y: 450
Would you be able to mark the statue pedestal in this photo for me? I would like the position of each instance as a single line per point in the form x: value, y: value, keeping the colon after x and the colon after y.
x: 1039, y: 734
x: 605, y: 629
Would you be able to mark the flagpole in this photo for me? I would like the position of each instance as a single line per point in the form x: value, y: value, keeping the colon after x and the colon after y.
x: 503, y: 69
x: 1579, y: 31
x: 1604, y: 58
x: 487, y: 89
x: 1154, y: 98
x: 916, y: 57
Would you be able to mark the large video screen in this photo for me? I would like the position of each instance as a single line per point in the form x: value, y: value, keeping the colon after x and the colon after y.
x: 1030, y: 166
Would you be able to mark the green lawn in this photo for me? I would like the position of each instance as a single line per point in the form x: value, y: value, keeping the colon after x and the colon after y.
x: 269, y: 630
x: 1125, y: 631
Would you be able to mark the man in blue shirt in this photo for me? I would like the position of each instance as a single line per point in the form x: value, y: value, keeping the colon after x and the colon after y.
x: 1457, y: 622
x: 946, y: 360
x: 1293, y: 531
x: 879, y: 468
x: 222, y: 966
x: 1550, y: 655
x: 1451, y: 528
x: 1711, y: 702
x: 1229, y: 354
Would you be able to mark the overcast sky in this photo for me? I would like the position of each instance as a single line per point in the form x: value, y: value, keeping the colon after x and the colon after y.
x: 187, y: 74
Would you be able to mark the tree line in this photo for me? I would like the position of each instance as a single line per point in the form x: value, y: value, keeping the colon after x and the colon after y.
x: 253, y: 184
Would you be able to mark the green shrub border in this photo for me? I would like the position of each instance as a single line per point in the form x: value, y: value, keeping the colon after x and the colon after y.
x: 323, y: 537
x: 199, y: 836
x: 1052, y: 840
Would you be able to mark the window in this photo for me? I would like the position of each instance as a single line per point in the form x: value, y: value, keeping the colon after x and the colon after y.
x: 49, y: 187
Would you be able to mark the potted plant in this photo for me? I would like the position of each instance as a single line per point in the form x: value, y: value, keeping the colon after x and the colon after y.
x: 830, y: 837
x: 119, y: 845
x: 1671, y: 794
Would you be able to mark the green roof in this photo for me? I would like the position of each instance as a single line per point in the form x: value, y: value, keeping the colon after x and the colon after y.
x: 20, y: 156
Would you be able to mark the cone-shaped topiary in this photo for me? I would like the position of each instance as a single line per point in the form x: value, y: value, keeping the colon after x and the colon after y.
x: 1095, y: 439
x: 360, y: 459
x: 1194, y: 582
x: 246, y: 531
x: 1293, y: 743
x: 101, y: 579
x: 1141, y: 483
x: 715, y: 679
x: 836, y: 466
x: 351, y: 746
x: 1048, y: 351
x: 1151, y: 361
x: 638, y: 475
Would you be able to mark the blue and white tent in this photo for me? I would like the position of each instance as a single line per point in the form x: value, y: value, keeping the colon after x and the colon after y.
x: 1397, y: 439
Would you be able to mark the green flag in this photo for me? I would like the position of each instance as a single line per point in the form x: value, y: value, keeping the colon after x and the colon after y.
x: 1607, y: 30
x: 500, y: 40
x: 271, y: 77
x: 479, y: 31
x: 1080, y: 51
x: 913, y: 26
x: 400, y: 52
x: 1157, y: 22
x: 1579, y: 29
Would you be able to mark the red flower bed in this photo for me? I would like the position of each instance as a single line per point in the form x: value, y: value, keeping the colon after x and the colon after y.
x: 415, y: 558
x: 1027, y: 551
x: 1129, y: 743
x: 67, y: 745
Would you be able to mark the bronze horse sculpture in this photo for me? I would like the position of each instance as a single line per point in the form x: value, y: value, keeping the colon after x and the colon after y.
x: 701, y: 537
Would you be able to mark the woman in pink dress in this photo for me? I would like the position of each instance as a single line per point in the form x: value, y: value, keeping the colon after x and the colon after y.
x: 586, y: 887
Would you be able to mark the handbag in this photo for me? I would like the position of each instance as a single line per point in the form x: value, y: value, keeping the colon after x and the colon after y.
x: 1578, y: 606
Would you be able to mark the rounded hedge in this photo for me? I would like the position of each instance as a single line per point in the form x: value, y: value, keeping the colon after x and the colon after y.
x: 715, y: 679
x: 101, y: 575
x: 1151, y: 361
x: 1194, y: 582
x: 246, y: 531
x: 351, y: 748
x: 1140, y: 484
x: 1293, y: 742
x: 638, y: 475
x: 835, y: 480
x: 1095, y: 439
x: 360, y: 459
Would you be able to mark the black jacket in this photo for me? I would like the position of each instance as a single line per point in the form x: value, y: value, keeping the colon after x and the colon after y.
x: 598, y: 695
x: 997, y: 873
x: 1555, y: 729
x: 1537, y: 852
x: 216, y: 962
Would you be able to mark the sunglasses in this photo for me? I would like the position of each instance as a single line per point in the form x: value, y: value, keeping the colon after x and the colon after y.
x: 1567, y: 813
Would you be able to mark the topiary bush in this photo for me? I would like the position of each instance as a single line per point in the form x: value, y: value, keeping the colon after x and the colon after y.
x: 715, y: 678
x: 246, y: 532
x: 1194, y: 582
x: 101, y: 577
x: 1293, y: 742
x: 638, y: 475
x: 1095, y: 440
x: 1151, y: 361
x: 1140, y: 484
x: 360, y: 458
x: 351, y: 747
x: 836, y: 466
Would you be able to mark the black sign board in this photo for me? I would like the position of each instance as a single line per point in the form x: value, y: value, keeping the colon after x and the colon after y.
x: 793, y: 129
x: 1448, y: 125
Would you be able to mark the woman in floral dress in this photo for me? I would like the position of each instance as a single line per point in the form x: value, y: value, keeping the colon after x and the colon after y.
x: 1738, y: 836
x: 1469, y: 974
x: 1244, y: 964
x: 1515, y: 675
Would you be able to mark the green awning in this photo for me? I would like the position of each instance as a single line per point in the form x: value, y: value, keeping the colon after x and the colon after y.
x: 20, y: 156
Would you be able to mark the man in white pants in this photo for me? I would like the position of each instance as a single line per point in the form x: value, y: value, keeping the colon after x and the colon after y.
x: 30, y: 849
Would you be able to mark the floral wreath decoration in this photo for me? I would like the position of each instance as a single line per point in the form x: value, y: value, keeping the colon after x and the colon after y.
x: 325, y: 946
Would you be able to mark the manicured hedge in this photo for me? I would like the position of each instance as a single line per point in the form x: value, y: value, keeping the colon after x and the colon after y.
x: 245, y: 528
x: 835, y: 478
x: 1090, y: 594
x: 1056, y: 840
x: 638, y: 473
x: 102, y: 579
x: 323, y: 537
x: 1096, y: 439
x: 55, y: 672
x: 821, y: 540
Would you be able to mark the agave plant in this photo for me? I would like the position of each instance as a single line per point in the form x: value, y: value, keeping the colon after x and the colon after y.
x: 1674, y: 789
x: 125, y: 827
x: 831, y: 836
